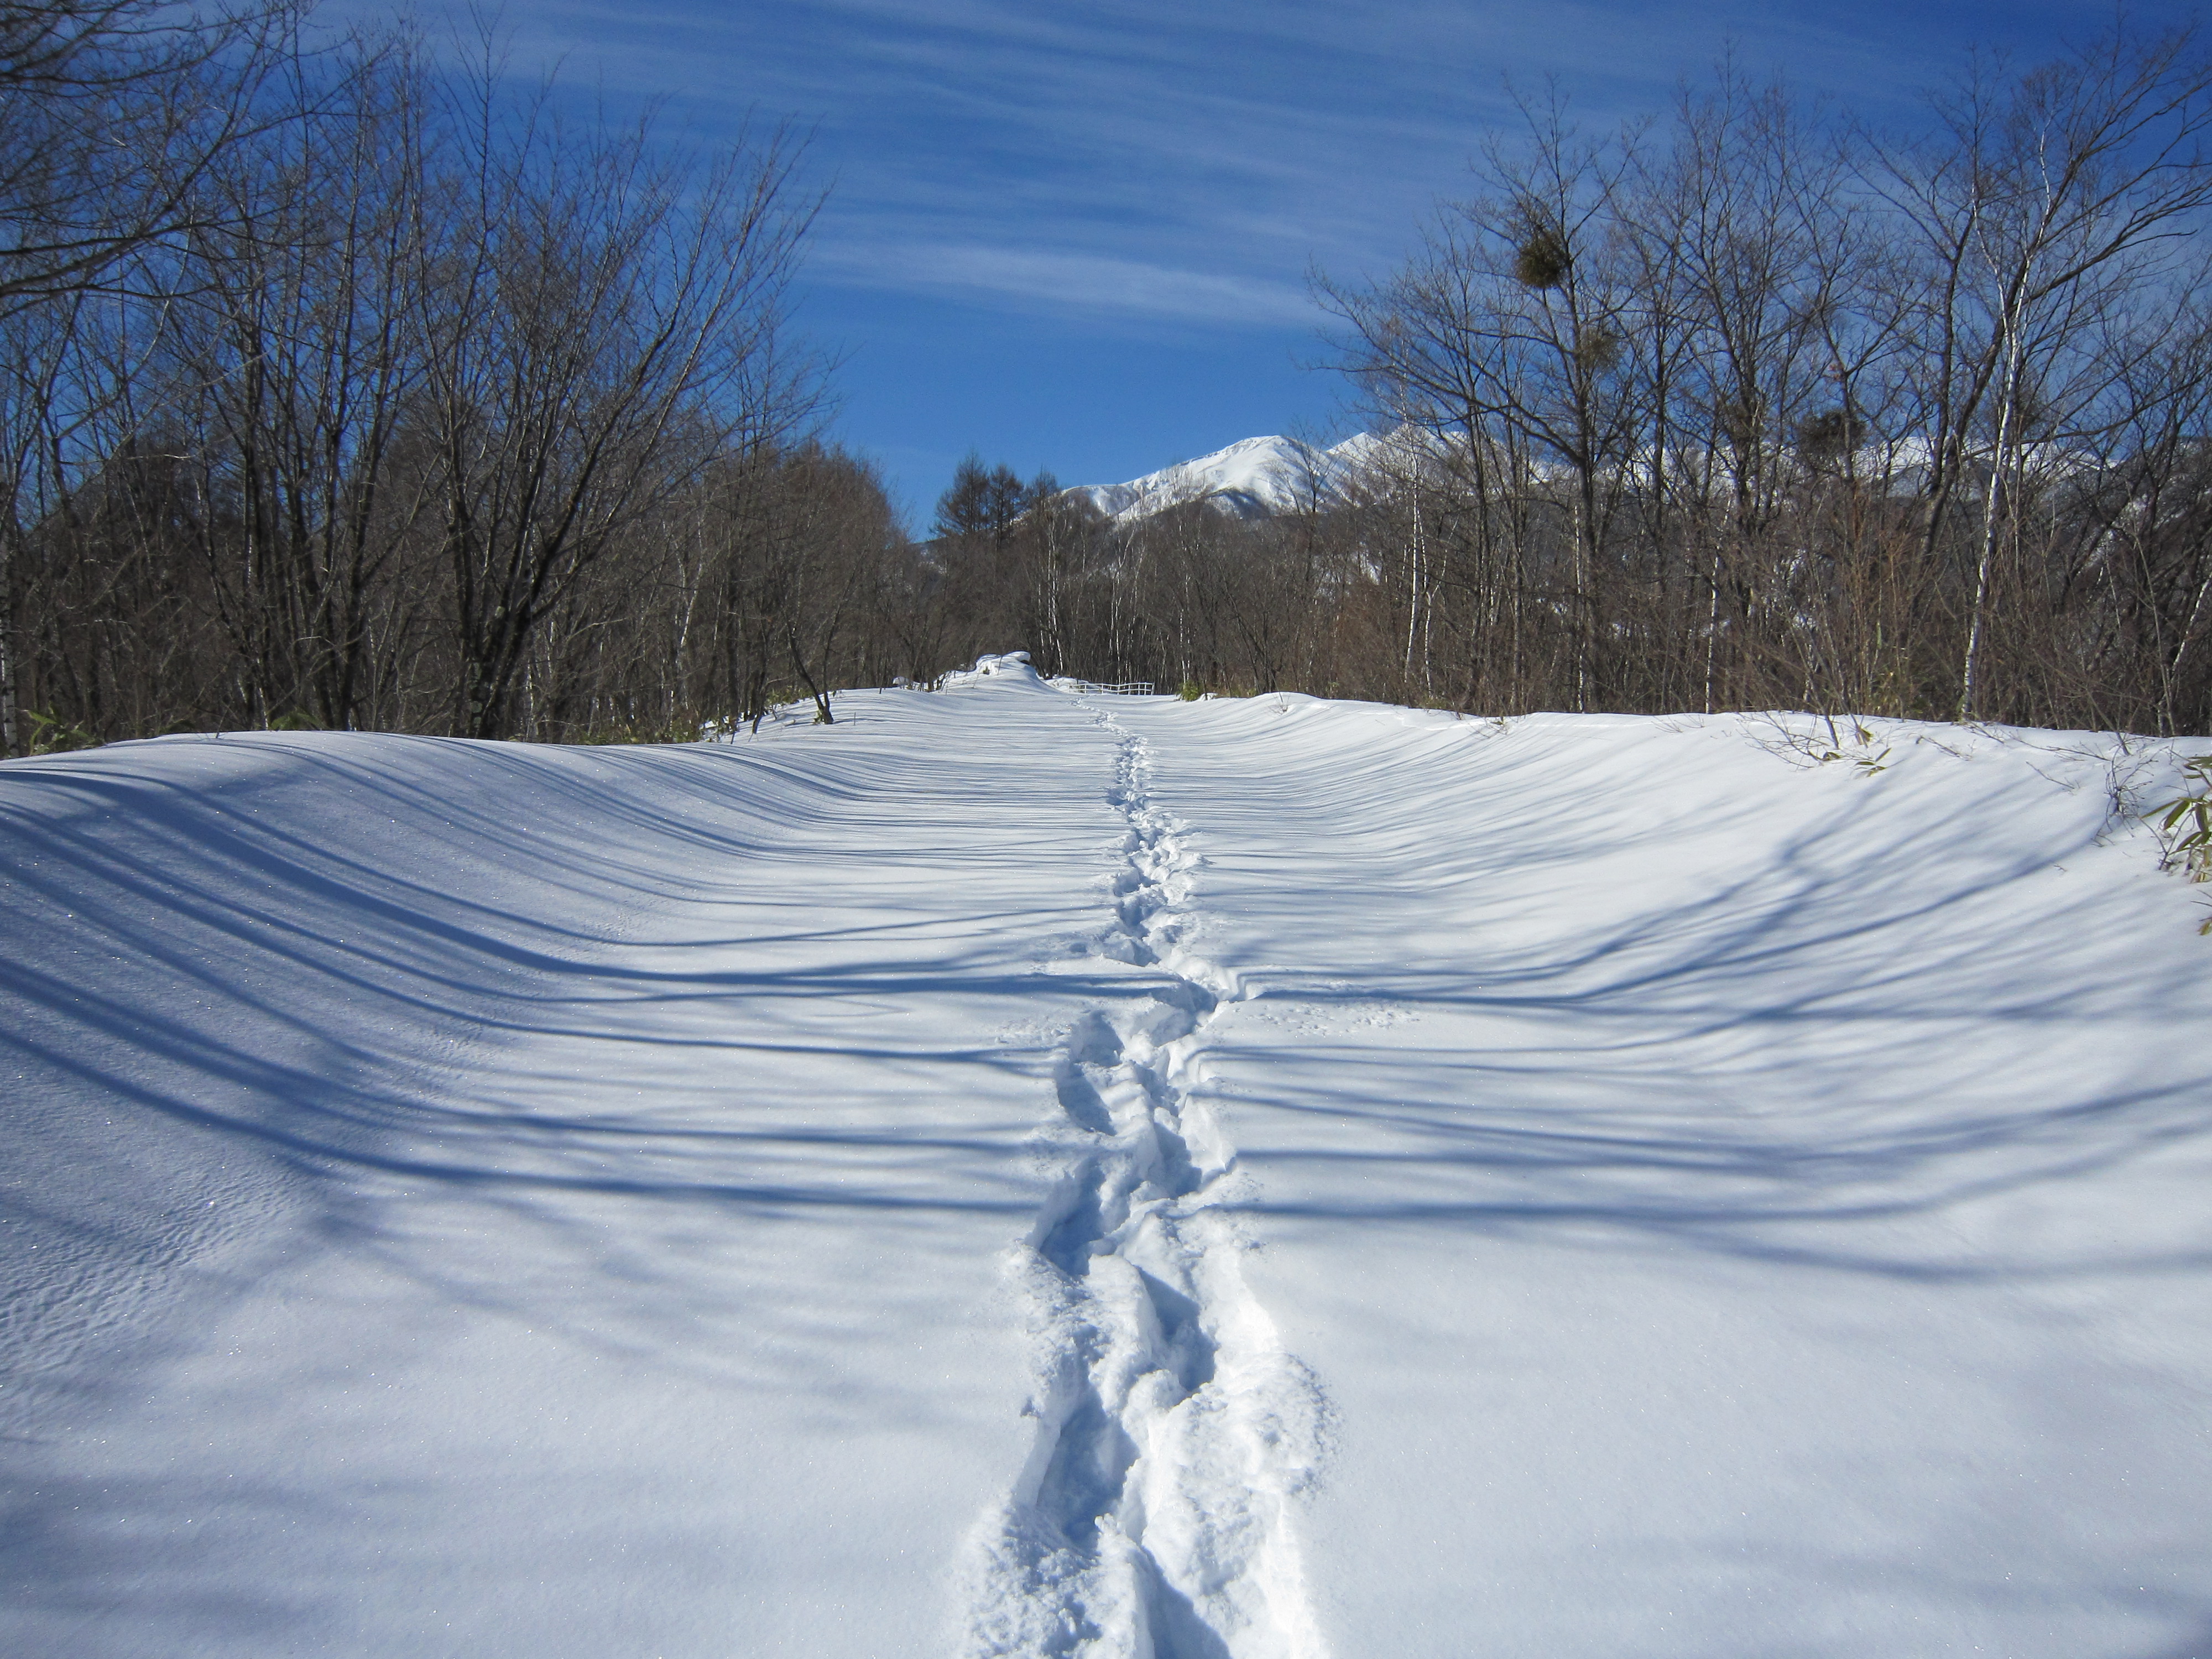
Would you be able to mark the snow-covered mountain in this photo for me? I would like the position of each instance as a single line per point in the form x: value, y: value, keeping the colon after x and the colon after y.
x: 1254, y: 479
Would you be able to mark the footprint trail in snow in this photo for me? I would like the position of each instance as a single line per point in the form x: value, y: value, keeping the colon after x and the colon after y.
x: 1174, y: 1434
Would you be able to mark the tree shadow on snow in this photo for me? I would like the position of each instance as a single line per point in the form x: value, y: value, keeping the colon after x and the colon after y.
x: 357, y: 998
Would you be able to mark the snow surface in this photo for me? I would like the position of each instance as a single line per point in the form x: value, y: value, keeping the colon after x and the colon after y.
x: 1254, y: 478
x: 1019, y: 1172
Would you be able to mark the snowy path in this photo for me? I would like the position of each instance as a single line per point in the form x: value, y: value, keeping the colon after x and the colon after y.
x: 1027, y: 1174
x: 1154, y: 1514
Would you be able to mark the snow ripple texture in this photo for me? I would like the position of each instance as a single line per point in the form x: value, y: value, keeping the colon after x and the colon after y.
x: 1174, y: 1435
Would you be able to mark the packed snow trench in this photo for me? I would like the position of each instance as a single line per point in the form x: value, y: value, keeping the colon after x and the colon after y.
x: 1026, y: 1172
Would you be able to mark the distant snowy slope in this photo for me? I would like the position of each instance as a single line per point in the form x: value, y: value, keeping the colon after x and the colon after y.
x: 1018, y: 1173
x: 1253, y: 479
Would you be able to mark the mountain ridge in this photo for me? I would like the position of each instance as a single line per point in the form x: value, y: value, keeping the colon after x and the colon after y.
x: 1252, y: 478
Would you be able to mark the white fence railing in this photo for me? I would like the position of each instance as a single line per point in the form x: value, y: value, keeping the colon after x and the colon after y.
x: 1125, y: 689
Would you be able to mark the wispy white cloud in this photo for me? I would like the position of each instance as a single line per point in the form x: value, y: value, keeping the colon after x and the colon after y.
x: 1062, y: 282
x: 1155, y: 178
x: 1141, y: 128
x: 1203, y: 156
x: 1228, y: 144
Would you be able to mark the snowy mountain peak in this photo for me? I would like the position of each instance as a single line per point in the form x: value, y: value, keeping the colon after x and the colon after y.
x: 1255, y: 478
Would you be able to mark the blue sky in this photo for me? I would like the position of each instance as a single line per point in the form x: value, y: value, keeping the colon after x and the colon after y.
x: 1077, y: 237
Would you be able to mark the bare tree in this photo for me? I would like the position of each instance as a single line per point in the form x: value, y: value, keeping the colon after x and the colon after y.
x: 604, y: 309
x: 301, y: 340
x: 2037, y: 202
x: 113, y: 113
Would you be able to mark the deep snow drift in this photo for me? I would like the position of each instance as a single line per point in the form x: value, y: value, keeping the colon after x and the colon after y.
x: 1023, y: 1172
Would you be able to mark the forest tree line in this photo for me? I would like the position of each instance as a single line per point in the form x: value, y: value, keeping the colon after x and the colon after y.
x: 375, y: 394
x: 367, y: 392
